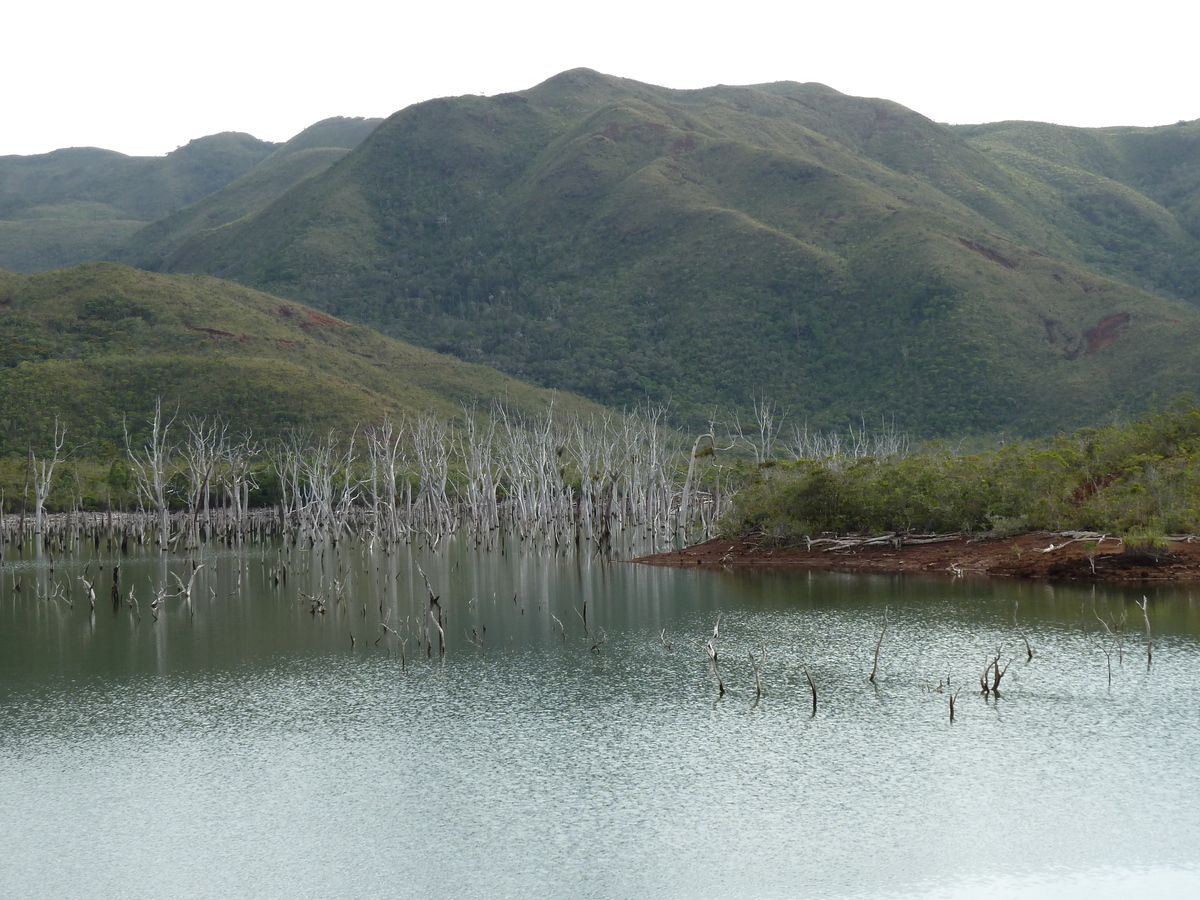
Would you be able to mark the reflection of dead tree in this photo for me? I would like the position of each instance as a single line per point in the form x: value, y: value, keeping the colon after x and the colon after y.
x: 953, y: 697
x: 813, y: 686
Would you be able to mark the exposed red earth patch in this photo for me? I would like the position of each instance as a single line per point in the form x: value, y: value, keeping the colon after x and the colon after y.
x: 320, y: 320
x: 1044, y: 555
x: 1105, y: 332
x: 614, y: 132
x: 213, y: 332
x: 988, y: 253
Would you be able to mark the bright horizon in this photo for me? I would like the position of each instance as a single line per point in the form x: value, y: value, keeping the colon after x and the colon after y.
x: 142, y: 78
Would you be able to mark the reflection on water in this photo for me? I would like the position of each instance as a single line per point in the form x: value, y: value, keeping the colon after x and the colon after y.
x: 254, y: 747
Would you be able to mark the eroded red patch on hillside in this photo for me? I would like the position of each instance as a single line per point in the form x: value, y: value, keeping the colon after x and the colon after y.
x: 5, y: 302
x: 614, y: 131
x: 988, y: 253
x: 213, y: 332
x: 1105, y: 331
x: 684, y: 144
x: 1062, y: 336
x: 320, y: 320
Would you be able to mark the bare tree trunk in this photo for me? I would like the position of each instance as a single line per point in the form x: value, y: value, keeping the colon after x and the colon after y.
x: 149, y: 467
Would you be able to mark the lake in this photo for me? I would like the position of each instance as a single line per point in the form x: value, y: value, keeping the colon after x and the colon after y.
x: 298, y: 731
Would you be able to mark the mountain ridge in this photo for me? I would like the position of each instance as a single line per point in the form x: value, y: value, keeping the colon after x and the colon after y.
x: 844, y: 255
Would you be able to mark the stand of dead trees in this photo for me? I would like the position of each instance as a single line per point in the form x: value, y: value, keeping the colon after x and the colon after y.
x: 606, y: 484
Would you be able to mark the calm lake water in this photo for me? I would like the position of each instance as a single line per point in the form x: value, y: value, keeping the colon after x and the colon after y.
x: 252, y: 747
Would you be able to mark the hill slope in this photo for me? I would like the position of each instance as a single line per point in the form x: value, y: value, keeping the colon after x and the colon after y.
x: 99, y: 342
x: 83, y: 204
x: 842, y: 255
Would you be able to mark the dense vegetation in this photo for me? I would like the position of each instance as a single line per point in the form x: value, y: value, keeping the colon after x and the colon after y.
x: 1140, y: 479
x: 98, y: 346
x: 844, y: 256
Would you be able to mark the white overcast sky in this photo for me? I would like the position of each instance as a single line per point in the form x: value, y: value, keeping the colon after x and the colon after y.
x: 146, y: 76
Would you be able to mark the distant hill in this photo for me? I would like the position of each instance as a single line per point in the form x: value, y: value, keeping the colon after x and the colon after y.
x: 84, y: 204
x: 845, y: 256
x: 98, y: 342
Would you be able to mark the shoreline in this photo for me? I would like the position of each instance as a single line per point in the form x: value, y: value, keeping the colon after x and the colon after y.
x: 1048, y: 556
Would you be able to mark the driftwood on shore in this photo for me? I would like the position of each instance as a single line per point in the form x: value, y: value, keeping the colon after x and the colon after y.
x: 1066, y: 555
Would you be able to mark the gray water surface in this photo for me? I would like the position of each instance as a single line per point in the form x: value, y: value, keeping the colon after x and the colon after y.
x: 251, y: 748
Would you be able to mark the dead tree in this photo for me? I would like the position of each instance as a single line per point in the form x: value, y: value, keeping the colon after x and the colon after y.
x: 878, y: 644
x: 185, y: 591
x: 992, y: 670
x: 756, y: 666
x: 813, y: 686
x: 1149, y: 641
x: 149, y: 466
x: 43, y: 474
x: 201, y: 452
x: 89, y: 588
x: 711, y: 648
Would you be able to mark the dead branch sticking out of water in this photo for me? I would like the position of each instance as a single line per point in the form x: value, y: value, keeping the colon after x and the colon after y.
x: 711, y: 648
x: 992, y: 666
x: 756, y: 667
x: 185, y: 591
x: 1107, y: 656
x: 89, y: 588
x: 1149, y: 642
x: 1021, y: 632
x: 441, y: 632
x: 878, y: 644
x: 813, y: 686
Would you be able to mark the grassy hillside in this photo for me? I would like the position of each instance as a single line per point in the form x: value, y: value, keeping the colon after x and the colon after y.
x: 844, y: 256
x: 1127, y: 199
x: 80, y: 204
x: 84, y: 204
x: 99, y: 342
x: 151, y: 244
